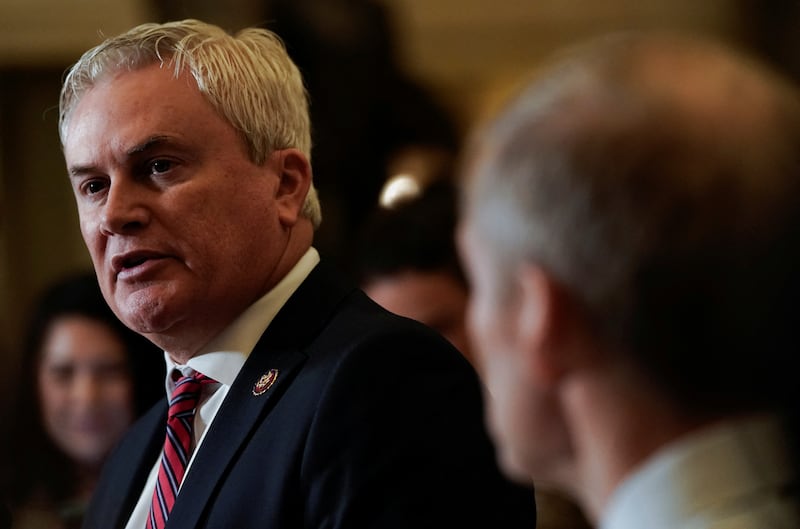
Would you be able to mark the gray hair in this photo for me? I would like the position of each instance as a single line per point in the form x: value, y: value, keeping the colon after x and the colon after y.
x: 248, y: 78
x: 658, y: 180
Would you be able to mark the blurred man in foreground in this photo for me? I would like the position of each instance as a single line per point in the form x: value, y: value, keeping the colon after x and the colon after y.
x: 630, y: 229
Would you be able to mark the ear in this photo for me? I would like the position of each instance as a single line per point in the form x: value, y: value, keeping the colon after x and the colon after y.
x: 539, y: 325
x: 294, y: 173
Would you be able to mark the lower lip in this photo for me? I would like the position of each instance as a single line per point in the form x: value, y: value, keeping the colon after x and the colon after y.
x: 93, y: 426
x: 140, y: 271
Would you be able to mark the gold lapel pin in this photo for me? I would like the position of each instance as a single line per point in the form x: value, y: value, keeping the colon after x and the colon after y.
x: 265, y: 382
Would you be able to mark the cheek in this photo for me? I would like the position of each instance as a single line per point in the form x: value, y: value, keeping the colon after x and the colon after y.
x: 494, y: 361
x: 55, y: 407
x: 485, y: 330
x: 89, y: 231
x: 509, y: 415
x: 118, y: 397
x: 523, y: 421
x: 52, y: 394
x: 531, y: 434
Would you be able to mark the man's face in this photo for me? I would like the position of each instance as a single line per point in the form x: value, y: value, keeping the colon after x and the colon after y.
x: 182, y: 227
x: 523, y: 418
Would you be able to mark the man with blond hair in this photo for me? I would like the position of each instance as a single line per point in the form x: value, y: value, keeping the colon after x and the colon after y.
x: 294, y: 400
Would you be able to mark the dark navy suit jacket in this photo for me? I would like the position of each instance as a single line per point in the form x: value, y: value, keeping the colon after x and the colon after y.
x: 374, y: 421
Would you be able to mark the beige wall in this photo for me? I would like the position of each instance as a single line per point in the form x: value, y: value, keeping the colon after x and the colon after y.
x: 458, y: 46
x: 39, y: 234
x: 461, y: 48
x: 54, y: 31
x: 467, y: 48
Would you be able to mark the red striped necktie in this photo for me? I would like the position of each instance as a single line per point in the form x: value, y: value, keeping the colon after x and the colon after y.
x: 177, y: 447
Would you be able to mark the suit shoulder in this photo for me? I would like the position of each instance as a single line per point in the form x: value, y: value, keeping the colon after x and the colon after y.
x: 360, y: 325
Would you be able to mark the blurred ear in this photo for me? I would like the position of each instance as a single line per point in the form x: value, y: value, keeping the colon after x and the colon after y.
x: 539, y: 326
x: 294, y: 172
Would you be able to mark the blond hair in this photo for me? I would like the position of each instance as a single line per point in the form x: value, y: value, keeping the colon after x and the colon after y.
x: 247, y: 77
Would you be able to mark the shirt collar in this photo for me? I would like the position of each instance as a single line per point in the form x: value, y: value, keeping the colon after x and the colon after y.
x: 224, y: 356
x: 702, y: 473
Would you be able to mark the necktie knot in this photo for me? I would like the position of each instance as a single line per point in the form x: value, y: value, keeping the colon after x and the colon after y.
x: 183, y: 401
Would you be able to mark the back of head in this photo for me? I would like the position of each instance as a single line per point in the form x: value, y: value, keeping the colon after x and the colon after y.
x: 416, y: 234
x: 248, y: 78
x: 407, y: 262
x: 657, y: 179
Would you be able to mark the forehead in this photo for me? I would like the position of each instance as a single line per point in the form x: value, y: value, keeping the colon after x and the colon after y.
x: 128, y: 102
x: 158, y: 80
x: 72, y: 337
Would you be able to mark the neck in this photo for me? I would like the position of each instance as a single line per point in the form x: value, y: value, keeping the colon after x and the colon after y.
x: 617, y: 422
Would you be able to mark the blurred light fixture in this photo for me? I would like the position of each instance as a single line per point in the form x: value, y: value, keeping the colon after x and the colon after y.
x: 398, y: 188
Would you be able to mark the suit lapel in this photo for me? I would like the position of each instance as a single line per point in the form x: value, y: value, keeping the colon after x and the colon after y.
x: 138, y: 454
x: 281, y: 348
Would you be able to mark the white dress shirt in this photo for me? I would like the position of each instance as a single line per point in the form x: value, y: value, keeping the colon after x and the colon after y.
x: 221, y: 360
x: 730, y: 476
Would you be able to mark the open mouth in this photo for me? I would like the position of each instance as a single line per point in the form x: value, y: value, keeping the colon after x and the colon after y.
x: 133, y: 262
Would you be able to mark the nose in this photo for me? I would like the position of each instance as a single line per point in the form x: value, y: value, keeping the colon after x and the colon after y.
x: 125, y: 209
x: 86, y: 390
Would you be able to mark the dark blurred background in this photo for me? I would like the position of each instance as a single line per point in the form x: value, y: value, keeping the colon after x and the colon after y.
x: 394, y: 85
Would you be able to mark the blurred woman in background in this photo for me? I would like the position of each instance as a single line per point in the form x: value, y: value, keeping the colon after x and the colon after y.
x: 85, y: 378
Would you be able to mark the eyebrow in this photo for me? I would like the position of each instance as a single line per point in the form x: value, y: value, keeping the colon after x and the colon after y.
x: 148, y: 144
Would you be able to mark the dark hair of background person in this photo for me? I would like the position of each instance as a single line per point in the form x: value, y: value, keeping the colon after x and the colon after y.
x: 417, y: 234
x: 33, y: 459
x: 364, y: 108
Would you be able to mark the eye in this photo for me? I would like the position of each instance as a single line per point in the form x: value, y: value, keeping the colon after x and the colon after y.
x: 160, y: 166
x: 61, y: 374
x: 111, y: 370
x: 92, y: 187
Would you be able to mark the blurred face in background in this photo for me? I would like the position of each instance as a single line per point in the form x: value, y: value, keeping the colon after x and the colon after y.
x: 436, y: 299
x: 85, y: 388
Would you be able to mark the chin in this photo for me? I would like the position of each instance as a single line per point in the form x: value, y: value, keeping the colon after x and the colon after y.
x: 513, y: 467
x: 88, y: 452
x: 148, y: 303
x: 146, y: 314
